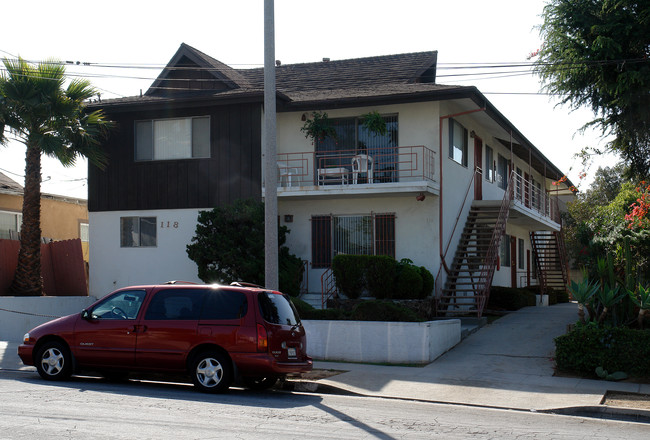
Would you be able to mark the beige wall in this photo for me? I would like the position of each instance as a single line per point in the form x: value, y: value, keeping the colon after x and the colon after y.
x: 60, y: 219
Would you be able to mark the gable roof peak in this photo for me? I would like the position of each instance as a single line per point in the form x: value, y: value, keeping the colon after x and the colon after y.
x: 192, y: 71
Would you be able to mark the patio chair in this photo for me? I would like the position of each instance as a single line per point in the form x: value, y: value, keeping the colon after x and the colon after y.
x: 362, y: 163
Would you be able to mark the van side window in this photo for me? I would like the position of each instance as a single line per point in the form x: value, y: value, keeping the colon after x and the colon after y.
x: 225, y: 304
x: 124, y: 305
x: 175, y: 304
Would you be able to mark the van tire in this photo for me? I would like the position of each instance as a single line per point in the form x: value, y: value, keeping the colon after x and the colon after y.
x: 54, y: 361
x: 211, y: 372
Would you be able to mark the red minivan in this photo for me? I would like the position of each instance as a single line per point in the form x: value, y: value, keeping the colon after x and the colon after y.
x: 212, y: 332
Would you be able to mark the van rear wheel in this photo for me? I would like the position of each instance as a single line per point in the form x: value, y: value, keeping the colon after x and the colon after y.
x: 211, y: 372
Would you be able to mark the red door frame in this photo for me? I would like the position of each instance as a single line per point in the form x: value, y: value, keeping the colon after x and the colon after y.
x: 513, y: 261
x: 478, y: 164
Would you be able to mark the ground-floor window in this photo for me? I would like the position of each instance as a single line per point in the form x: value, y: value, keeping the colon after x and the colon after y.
x: 10, y: 224
x: 369, y: 234
x: 138, y: 231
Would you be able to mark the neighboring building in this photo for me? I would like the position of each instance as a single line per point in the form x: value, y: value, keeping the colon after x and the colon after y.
x: 194, y: 141
x: 62, y: 218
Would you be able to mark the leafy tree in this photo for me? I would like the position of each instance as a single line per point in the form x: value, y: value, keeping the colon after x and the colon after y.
x: 229, y: 246
x: 595, y: 54
x: 48, y: 119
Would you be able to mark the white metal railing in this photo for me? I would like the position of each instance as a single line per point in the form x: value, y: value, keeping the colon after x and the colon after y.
x: 532, y: 195
x: 353, y: 167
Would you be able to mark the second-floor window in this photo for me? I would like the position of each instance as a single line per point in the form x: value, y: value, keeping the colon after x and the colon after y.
x: 354, y: 139
x: 457, y: 142
x: 169, y: 139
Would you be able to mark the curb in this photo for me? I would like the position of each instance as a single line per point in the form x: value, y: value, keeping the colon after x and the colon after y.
x: 623, y: 414
x: 604, y: 412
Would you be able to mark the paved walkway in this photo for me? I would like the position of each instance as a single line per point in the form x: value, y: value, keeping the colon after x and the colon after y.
x: 507, y: 364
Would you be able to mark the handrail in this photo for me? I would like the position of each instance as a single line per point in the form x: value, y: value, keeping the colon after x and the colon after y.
x: 487, y: 271
x: 443, y: 256
x: 327, y: 286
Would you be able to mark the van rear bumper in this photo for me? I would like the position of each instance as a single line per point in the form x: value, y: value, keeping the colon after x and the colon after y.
x: 263, y: 363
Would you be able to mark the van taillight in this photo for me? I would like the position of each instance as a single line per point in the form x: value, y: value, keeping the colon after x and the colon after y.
x: 262, y: 338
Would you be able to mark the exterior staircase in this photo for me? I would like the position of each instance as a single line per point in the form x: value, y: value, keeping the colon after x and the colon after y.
x: 550, y: 259
x: 468, y: 283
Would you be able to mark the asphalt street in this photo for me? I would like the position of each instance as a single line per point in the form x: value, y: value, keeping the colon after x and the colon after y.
x: 91, y: 408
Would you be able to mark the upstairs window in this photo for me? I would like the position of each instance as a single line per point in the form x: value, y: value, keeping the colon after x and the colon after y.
x: 502, y: 171
x: 169, y: 139
x: 457, y: 142
x: 488, y: 170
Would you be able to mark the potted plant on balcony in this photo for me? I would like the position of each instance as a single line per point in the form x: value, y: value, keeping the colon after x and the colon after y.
x: 374, y: 123
x: 319, y: 127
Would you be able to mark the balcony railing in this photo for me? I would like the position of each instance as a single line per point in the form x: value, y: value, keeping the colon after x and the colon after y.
x: 536, y: 198
x: 351, y: 167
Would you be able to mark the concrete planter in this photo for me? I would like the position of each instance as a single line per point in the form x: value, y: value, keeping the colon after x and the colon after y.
x: 381, y: 342
x: 19, y: 314
x: 541, y: 300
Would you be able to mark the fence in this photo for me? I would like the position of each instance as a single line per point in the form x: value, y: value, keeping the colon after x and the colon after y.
x: 62, y: 267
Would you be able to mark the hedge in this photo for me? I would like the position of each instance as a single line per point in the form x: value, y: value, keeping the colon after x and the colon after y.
x: 587, y: 347
x: 382, y: 276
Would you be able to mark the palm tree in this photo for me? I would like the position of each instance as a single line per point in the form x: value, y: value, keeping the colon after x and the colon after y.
x: 48, y: 119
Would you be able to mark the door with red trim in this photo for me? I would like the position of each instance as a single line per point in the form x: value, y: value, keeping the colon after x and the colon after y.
x: 478, y: 163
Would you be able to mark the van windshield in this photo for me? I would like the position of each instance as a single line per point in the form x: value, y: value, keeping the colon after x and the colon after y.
x: 277, y: 309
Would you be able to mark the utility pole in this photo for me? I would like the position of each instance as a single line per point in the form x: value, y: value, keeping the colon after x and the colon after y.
x: 270, y: 177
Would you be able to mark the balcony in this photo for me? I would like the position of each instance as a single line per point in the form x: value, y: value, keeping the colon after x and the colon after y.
x: 380, y: 170
x: 530, y: 198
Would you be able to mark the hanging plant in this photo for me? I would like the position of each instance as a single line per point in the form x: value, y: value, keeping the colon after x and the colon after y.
x: 375, y: 123
x: 319, y: 127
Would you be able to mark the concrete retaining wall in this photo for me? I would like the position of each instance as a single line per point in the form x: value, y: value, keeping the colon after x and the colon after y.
x: 386, y: 342
x: 20, y: 314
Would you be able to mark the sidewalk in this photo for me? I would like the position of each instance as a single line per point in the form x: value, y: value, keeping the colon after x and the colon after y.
x: 506, y: 364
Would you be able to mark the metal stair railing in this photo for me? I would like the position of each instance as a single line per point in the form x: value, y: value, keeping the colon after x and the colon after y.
x: 487, y: 272
x: 437, y: 290
x: 564, y: 261
x: 328, y: 286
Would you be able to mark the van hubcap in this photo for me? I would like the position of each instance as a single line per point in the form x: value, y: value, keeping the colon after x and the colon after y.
x: 52, y: 361
x: 209, y: 372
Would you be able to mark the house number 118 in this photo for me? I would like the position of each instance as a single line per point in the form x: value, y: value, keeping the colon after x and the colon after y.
x: 168, y: 224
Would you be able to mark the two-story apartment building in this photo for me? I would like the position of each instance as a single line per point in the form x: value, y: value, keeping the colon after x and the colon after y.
x: 450, y: 184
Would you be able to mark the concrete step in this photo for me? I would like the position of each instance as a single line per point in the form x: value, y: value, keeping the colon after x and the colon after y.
x: 313, y: 299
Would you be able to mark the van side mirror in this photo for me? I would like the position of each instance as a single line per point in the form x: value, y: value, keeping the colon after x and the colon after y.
x: 85, y: 314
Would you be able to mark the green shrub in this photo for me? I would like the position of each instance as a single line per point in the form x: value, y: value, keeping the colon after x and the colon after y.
x: 508, y: 298
x: 380, y: 276
x: 349, y: 273
x: 382, y: 311
x: 409, y: 281
x: 302, y: 307
x: 327, y: 315
x: 427, y: 282
x: 587, y: 347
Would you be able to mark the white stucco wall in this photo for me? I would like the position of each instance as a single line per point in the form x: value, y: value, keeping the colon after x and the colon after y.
x: 112, y: 266
x: 416, y: 224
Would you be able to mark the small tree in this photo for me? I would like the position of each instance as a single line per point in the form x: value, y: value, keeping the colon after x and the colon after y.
x: 48, y: 119
x: 229, y: 246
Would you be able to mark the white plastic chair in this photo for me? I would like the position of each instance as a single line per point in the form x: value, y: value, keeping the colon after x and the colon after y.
x: 362, y: 163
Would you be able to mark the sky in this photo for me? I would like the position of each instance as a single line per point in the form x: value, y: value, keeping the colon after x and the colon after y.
x: 146, y: 34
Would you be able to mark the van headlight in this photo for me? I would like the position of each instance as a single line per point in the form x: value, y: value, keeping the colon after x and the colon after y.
x: 26, y: 338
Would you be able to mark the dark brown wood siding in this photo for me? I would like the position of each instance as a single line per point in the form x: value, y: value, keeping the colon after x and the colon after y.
x: 233, y: 170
